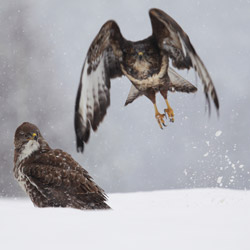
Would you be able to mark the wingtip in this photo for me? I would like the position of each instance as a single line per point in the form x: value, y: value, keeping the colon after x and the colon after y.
x: 218, y: 113
x: 79, y: 149
x: 79, y: 145
x: 216, y: 104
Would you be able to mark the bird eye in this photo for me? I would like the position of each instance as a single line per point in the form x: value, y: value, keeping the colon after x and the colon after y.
x: 28, y: 135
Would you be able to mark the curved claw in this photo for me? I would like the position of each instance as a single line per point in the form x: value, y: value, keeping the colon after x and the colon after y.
x: 160, y: 120
x: 165, y: 114
x: 170, y: 114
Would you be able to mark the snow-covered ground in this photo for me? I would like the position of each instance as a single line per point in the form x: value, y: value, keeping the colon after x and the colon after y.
x: 177, y: 219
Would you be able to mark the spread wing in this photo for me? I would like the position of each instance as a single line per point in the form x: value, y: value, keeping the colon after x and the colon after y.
x: 93, y: 97
x: 64, y: 183
x: 178, y: 83
x: 175, y: 42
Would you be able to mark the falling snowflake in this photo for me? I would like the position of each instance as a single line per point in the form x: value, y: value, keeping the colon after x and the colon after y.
x: 218, y: 133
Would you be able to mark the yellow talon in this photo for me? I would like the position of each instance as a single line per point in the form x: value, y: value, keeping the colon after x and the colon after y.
x: 160, y: 120
x: 169, y: 111
x: 159, y: 117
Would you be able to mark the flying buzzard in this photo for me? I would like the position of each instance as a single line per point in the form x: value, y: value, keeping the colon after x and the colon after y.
x: 51, y: 177
x: 145, y: 63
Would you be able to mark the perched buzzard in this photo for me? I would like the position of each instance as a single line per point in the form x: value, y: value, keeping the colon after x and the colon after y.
x: 145, y: 63
x: 50, y: 176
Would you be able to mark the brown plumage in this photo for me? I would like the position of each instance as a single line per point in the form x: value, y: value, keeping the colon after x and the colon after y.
x: 145, y: 63
x: 51, y: 177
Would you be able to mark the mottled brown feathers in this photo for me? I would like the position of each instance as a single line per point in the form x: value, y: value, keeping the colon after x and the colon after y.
x: 51, y: 177
x: 145, y: 63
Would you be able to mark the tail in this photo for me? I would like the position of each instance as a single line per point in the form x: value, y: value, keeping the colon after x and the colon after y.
x: 132, y: 95
x: 178, y: 83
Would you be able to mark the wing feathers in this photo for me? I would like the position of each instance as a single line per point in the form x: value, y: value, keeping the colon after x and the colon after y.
x: 63, y: 182
x: 93, y: 97
x: 175, y: 42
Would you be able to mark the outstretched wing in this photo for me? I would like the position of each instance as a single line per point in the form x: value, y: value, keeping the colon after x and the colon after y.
x: 175, y: 42
x: 93, y: 98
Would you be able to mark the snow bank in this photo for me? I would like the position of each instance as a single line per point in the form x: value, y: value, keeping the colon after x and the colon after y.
x: 177, y: 219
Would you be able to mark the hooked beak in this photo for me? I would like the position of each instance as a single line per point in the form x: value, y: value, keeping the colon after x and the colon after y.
x: 140, y: 55
x: 34, y: 137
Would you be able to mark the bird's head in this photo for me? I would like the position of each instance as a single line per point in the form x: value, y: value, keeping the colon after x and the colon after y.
x: 135, y: 53
x: 28, y: 139
x: 140, y: 51
x: 140, y: 59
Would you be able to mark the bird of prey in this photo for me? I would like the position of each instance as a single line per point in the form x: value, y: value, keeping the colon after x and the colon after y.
x: 145, y: 63
x: 51, y: 177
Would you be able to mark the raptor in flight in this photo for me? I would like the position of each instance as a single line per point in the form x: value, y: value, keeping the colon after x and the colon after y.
x: 145, y: 63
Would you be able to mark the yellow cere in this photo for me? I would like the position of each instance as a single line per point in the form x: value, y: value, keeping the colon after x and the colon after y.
x: 34, y: 134
x: 140, y: 53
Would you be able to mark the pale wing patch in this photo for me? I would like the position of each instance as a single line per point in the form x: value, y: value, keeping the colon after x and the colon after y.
x: 94, y: 90
x: 182, y: 45
x: 89, y: 91
x: 94, y: 98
